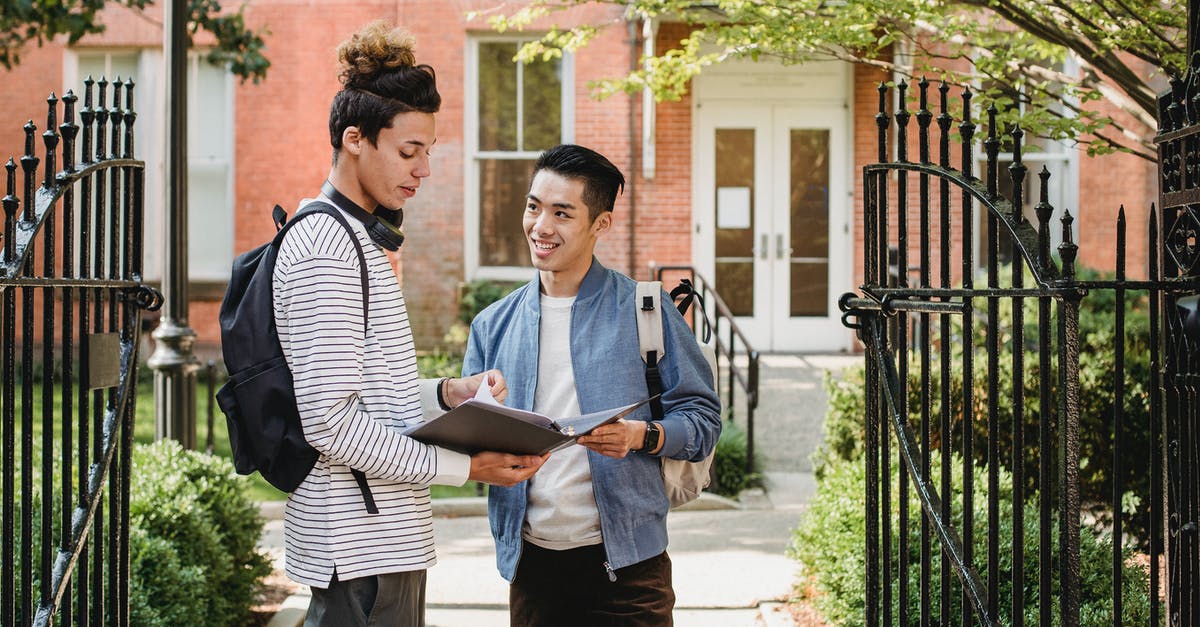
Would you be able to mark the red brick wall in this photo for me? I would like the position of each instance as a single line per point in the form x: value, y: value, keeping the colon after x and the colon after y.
x: 1105, y: 184
x: 282, y: 150
x: 665, y: 203
x: 866, y: 151
x: 25, y: 91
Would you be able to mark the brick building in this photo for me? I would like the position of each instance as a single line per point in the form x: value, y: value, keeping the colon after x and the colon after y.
x: 753, y: 177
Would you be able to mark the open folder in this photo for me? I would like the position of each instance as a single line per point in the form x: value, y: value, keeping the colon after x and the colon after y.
x: 483, y: 424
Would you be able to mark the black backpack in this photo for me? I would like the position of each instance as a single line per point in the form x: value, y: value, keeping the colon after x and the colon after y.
x: 259, y: 399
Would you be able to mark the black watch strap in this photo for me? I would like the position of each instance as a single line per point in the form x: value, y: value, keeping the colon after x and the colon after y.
x: 653, y: 433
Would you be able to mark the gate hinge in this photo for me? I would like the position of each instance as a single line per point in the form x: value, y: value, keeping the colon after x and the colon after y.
x: 145, y: 297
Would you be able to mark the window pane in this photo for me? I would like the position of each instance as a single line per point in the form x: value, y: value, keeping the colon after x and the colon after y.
x: 735, y: 284
x: 734, y: 159
x: 503, y: 185
x: 107, y: 65
x: 497, y: 96
x: 210, y: 222
x: 208, y: 112
x: 810, y: 289
x: 542, y: 91
x: 809, y: 266
x: 810, y: 193
x: 210, y: 155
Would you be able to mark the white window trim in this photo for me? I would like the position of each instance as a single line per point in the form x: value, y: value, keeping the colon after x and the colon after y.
x: 149, y: 100
x: 472, y: 154
x: 195, y: 58
x: 150, y: 131
x: 1067, y: 181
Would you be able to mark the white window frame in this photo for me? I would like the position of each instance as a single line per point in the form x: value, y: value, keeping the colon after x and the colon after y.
x: 1058, y: 153
x: 150, y: 131
x: 472, y: 154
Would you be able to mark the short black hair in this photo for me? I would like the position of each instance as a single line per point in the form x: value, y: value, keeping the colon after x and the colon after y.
x: 602, y: 181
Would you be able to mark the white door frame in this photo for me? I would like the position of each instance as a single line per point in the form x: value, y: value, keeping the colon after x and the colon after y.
x: 772, y: 99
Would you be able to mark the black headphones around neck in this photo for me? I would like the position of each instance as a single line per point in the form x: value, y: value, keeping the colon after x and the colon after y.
x: 383, y: 225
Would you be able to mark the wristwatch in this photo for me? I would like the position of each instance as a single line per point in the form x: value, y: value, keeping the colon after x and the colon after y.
x: 653, y: 432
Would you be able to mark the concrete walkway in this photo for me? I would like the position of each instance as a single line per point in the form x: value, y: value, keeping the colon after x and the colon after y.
x: 729, y: 558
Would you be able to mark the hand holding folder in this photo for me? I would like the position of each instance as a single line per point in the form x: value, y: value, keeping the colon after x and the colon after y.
x: 482, y: 424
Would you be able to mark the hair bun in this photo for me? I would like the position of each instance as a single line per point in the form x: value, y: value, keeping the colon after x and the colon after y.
x: 374, y: 49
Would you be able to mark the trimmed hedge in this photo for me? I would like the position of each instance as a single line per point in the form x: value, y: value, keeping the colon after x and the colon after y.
x: 829, y: 543
x: 193, y: 539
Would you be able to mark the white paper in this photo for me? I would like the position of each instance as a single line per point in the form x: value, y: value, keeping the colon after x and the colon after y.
x: 733, y: 207
x: 484, y: 393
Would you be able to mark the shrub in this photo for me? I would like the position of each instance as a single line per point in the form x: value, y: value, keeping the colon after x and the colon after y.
x: 830, y: 545
x: 194, y: 546
x: 844, y: 429
x: 446, y: 360
x: 478, y: 294
x: 729, y: 475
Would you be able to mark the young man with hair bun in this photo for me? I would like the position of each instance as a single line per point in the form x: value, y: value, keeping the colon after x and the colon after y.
x: 364, y: 552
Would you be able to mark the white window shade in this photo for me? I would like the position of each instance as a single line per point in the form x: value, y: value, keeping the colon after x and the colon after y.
x: 210, y: 151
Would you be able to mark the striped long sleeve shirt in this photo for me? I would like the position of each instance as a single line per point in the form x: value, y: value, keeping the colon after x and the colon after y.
x: 355, y: 392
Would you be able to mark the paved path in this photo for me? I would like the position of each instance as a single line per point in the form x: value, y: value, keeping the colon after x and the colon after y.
x: 730, y: 563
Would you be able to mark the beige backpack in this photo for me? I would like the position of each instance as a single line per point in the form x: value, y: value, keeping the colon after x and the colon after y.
x: 682, y: 480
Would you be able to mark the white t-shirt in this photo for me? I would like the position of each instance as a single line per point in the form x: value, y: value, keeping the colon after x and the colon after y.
x: 561, y: 510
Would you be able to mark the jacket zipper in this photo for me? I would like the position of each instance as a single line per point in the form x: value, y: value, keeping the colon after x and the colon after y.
x: 612, y: 576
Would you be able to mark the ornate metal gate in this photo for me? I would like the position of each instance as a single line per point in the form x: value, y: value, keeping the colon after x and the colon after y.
x: 71, y: 297
x: 1179, y: 197
x: 992, y: 464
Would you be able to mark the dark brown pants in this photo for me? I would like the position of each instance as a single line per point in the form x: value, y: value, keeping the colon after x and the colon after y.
x: 391, y: 600
x: 572, y: 587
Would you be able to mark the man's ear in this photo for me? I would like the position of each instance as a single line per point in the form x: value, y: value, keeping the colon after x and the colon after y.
x: 602, y: 223
x: 352, y: 140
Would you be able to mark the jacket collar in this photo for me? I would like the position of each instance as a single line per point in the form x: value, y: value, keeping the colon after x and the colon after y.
x: 593, y: 282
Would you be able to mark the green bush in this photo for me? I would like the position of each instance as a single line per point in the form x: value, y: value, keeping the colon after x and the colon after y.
x: 194, y: 545
x: 729, y: 476
x: 446, y: 360
x: 192, y: 540
x: 478, y: 294
x: 844, y: 429
x: 829, y: 543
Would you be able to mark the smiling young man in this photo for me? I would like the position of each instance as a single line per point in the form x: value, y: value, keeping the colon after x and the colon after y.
x: 364, y: 552
x: 584, y: 541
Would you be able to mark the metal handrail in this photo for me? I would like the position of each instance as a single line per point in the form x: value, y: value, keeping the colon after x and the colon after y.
x: 747, y: 379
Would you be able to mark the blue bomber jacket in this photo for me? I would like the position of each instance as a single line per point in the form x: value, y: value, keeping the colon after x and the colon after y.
x: 609, y: 372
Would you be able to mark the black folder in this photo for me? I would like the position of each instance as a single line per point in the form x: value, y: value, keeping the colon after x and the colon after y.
x: 482, y: 426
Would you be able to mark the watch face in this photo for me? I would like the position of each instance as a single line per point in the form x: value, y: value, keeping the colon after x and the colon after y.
x: 651, y: 440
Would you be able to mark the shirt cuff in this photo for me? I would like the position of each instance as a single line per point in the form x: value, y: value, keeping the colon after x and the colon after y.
x: 429, y: 405
x: 453, y: 468
x: 674, y: 436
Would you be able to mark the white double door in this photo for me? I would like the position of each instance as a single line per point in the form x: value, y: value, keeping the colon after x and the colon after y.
x: 773, y: 209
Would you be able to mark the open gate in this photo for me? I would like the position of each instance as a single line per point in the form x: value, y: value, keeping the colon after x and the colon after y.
x: 976, y: 416
x: 71, y: 298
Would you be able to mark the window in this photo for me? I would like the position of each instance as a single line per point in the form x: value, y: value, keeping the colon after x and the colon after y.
x: 210, y: 151
x: 1057, y: 157
x: 513, y: 112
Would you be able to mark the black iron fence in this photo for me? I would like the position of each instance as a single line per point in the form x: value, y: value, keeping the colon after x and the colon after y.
x: 1179, y: 335
x: 737, y: 361
x: 71, y: 297
x: 989, y: 458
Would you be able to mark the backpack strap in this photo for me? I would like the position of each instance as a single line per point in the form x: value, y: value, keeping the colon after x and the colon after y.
x: 650, y: 340
x: 687, y: 291
x: 283, y: 224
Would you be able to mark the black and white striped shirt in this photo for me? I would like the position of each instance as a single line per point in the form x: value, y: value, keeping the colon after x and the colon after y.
x: 354, y: 395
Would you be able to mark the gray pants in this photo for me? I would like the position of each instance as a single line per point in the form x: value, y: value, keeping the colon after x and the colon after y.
x: 391, y: 600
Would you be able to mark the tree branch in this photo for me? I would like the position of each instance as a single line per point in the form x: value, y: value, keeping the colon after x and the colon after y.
x: 1104, y: 62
